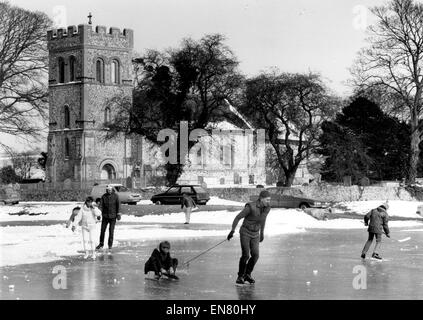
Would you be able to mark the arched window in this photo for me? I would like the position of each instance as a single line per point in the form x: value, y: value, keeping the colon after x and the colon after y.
x: 61, y: 66
x: 108, y: 172
x: 67, y: 148
x: 67, y: 117
x: 72, y: 70
x: 115, y: 76
x: 99, y: 70
x: 107, y: 115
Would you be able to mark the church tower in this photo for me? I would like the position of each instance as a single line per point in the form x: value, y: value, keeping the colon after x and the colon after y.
x: 87, y: 67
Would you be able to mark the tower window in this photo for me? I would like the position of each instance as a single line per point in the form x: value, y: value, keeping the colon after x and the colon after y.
x: 99, y: 71
x: 67, y: 117
x: 115, y: 72
x: 61, y: 65
x: 107, y: 115
x: 67, y: 148
x: 72, y: 70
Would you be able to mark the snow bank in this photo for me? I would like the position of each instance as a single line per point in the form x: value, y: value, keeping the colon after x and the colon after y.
x: 404, y: 209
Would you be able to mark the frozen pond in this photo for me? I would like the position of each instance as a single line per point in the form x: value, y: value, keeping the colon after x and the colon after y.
x: 317, y: 264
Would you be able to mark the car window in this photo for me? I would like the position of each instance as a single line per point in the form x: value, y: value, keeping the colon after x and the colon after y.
x: 186, y: 190
x: 293, y: 192
x: 199, y: 190
x: 173, y: 190
x: 121, y: 189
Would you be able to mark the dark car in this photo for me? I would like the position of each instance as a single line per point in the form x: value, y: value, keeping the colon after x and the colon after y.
x: 282, y: 197
x: 173, y: 195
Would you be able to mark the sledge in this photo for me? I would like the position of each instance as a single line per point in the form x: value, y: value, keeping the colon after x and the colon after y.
x: 245, y: 284
x: 378, y: 260
x: 165, y: 276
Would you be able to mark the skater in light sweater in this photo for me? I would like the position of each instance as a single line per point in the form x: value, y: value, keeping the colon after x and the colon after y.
x: 87, y: 217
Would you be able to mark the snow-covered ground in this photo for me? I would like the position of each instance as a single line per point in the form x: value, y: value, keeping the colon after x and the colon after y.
x: 33, y: 243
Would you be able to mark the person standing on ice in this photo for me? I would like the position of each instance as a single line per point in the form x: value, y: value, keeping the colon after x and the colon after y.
x: 377, y: 220
x: 251, y: 234
x: 187, y: 204
x: 110, y: 211
x: 87, y: 218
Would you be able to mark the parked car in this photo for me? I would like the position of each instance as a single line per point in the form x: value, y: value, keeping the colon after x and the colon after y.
x: 9, y: 195
x: 173, y: 195
x: 125, y: 194
x: 283, y: 197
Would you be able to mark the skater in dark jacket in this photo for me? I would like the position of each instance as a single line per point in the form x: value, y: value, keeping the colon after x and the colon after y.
x: 160, y: 261
x: 187, y: 204
x: 251, y: 233
x: 377, y: 220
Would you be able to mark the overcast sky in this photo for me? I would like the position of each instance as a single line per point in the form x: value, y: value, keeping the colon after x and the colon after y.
x: 294, y: 35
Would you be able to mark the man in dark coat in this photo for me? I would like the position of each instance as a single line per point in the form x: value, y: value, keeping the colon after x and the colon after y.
x: 110, y: 212
x: 160, y: 261
x: 377, y: 220
x: 251, y: 233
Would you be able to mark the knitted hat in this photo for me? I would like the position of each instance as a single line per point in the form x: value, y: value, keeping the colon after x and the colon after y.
x: 384, y: 206
x: 164, y: 244
x: 264, y: 194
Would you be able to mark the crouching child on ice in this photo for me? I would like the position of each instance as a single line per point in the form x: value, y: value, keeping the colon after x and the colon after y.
x: 161, y: 263
x: 377, y: 220
x: 87, y: 217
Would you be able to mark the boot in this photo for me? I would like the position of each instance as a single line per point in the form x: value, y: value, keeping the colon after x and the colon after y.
x: 240, y: 280
x: 248, y: 278
x: 376, y: 256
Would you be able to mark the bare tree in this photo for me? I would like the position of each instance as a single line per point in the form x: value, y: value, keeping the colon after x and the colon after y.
x: 189, y: 83
x: 291, y: 108
x: 393, y: 63
x: 23, y: 71
x: 23, y: 162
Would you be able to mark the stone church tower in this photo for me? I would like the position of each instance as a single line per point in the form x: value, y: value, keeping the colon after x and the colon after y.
x: 87, y: 67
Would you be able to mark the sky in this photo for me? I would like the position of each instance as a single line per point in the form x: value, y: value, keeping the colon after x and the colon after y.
x: 321, y: 36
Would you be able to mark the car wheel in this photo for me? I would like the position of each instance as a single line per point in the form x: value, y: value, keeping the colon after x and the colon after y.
x: 158, y: 202
x: 132, y: 203
x: 304, y: 206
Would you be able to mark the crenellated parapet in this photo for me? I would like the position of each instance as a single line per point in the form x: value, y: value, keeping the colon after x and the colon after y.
x: 85, y: 34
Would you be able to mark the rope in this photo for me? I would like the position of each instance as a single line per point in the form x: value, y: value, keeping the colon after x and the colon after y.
x: 192, y: 259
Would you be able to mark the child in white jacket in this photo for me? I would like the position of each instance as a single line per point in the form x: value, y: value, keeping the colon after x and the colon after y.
x: 87, y: 217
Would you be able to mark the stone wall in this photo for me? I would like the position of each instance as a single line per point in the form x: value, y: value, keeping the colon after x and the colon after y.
x: 327, y: 193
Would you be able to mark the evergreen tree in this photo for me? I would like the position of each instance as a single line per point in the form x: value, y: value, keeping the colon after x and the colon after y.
x: 379, y: 143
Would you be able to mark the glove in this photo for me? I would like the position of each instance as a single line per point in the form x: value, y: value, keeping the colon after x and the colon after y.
x: 99, y: 218
x: 366, y: 224
x: 261, y: 237
x: 73, y: 228
x: 119, y: 216
x: 230, y: 235
x: 388, y: 235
